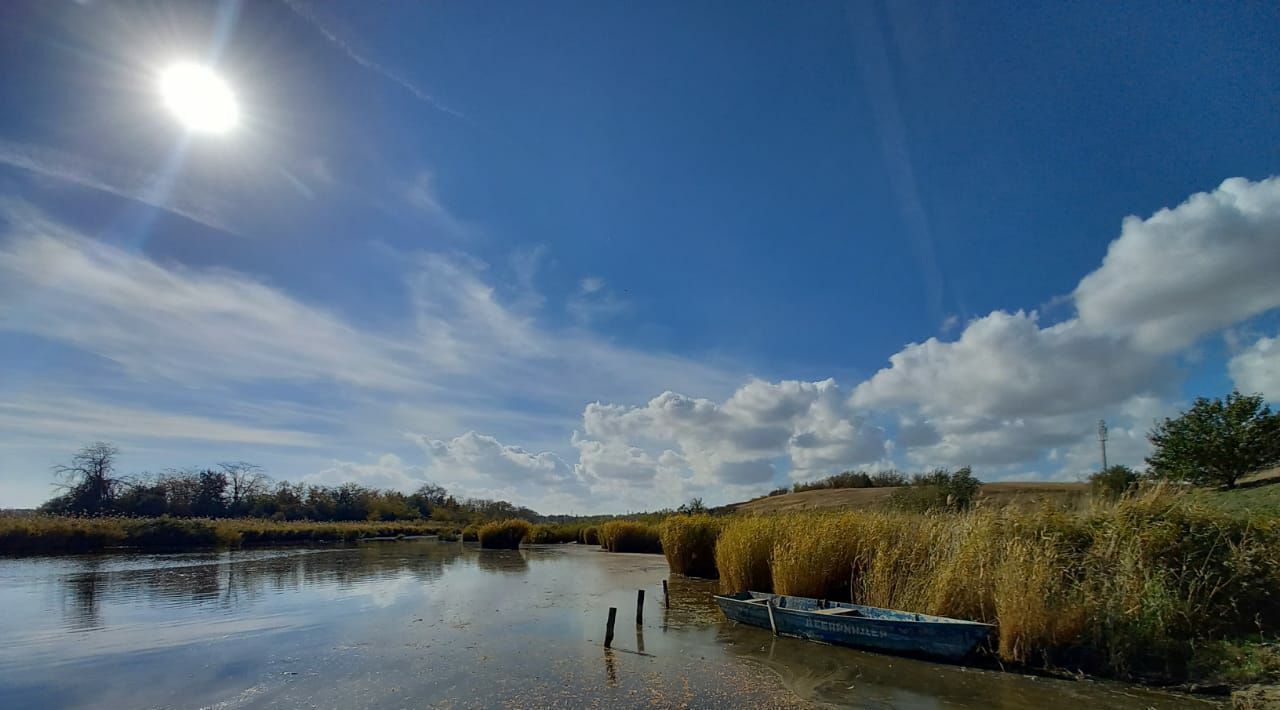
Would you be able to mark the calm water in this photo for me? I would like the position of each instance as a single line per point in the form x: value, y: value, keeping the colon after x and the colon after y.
x: 417, y: 623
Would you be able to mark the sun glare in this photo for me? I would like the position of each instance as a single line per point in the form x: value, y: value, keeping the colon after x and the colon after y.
x: 199, y: 99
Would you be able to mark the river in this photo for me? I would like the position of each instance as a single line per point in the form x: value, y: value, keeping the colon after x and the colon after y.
x: 415, y: 623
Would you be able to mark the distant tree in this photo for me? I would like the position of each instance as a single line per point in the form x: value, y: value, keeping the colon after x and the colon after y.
x: 1216, y: 441
x: 89, y: 481
x: 1112, y: 482
x: 888, y: 479
x: 693, y: 507
x: 245, y: 481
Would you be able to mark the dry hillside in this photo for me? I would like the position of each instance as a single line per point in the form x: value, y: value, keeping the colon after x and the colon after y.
x: 1004, y: 493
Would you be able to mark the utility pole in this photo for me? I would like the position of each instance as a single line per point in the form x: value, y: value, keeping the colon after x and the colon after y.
x: 1102, y: 439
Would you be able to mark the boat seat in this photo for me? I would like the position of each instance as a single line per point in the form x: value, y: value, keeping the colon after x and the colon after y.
x: 839, y: 611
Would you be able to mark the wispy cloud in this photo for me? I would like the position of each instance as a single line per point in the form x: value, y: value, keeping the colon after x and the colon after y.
x: 138, y: 187
x: 83, y: 419
x: 304, y: 11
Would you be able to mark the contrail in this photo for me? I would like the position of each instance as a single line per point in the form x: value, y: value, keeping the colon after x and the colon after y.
x: 304, y: 12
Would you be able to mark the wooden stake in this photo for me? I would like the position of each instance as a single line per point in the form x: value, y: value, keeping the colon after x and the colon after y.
x: 772, y: 624
x: 666, y: 595
x: 608, y: 630
x: 639, y: 607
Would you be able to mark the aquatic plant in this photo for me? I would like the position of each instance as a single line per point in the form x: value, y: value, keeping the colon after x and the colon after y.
x: 554, y: 533
x: 504, y: 534
x: 629, y: 536
x: 689, y: 542
x: 589, y: 535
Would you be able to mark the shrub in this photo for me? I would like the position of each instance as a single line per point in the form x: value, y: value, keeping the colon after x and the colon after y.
x: 504, y: 534
x: 471, y: 533
x: 1112, y: 483
x: 589, y: 536
x: 689, y: 542
x: 629, y: 536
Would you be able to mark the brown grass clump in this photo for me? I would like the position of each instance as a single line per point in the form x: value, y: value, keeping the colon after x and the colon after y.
x: 689, y: 542
x: 504, y: 534
x: 629, y: 536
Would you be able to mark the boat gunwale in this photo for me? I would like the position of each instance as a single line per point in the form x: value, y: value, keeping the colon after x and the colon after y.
x: 920, y: 618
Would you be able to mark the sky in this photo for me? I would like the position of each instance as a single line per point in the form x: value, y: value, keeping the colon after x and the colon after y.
x: 601, y: 257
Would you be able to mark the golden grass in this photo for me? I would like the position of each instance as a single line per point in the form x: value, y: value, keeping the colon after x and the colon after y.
x: 54, y: 534
x: 1128, y: 587
x: 743, y: 550
x: 504, y: 534
x: 629, y: 536
x: 689, y: 542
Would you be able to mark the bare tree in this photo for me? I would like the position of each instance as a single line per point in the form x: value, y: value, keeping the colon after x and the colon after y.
x: 89, y: 480
x: 245, y: 480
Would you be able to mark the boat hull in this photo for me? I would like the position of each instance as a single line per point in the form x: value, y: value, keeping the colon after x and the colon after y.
x: 858, y: 626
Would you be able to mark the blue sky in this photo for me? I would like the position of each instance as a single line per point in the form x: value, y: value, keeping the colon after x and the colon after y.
x: 596, y: 257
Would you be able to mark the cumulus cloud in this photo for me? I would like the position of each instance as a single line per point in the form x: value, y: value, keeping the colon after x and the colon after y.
x: 388, y: 471
x: 739, y: 442
x: 474, y: 460
x: 1208, y: 263
x: 1257, y: 368
x: 1006, y: 366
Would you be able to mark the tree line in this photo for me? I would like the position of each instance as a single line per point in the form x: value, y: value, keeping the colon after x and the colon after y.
x: 90, y: 485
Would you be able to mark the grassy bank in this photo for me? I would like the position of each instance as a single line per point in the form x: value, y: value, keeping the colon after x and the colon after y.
x: 53, y: 534
x: 1129, y: 589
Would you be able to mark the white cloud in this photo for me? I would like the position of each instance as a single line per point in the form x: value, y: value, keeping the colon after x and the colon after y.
x: 591, y: 284
x: 388, y: 471
x: 1207, y: 263
x: 1006, y: 366
x: 809, y: 424
x: 75, y: 420
x: 472, y: 461
x: 1257, y: 368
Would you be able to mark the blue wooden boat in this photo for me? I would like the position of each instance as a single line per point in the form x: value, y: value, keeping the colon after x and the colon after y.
x: 855, y: 625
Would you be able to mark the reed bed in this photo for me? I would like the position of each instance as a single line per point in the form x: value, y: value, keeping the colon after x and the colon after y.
x: 554, y: 534
x: 39, y: 534
x: 689, y: 542
x: 589, y: 535
x: 471, y: 533
x: 504, y: 534
x: 1128, y: 588
x: 629, y: 536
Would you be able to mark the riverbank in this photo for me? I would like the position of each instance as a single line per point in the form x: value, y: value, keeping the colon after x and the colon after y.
x: 1159, y: 588
x: 38, y: 534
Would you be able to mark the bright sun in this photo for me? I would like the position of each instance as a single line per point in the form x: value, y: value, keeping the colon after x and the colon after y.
x: 200, y: 99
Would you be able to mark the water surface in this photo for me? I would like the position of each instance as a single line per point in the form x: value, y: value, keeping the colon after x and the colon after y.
x: 414, y: 623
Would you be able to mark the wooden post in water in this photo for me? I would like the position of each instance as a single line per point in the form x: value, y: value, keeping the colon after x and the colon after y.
x: 772, y: 624
x: 666, y: 595
x: 639, y: 607
x: 608, y: 630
